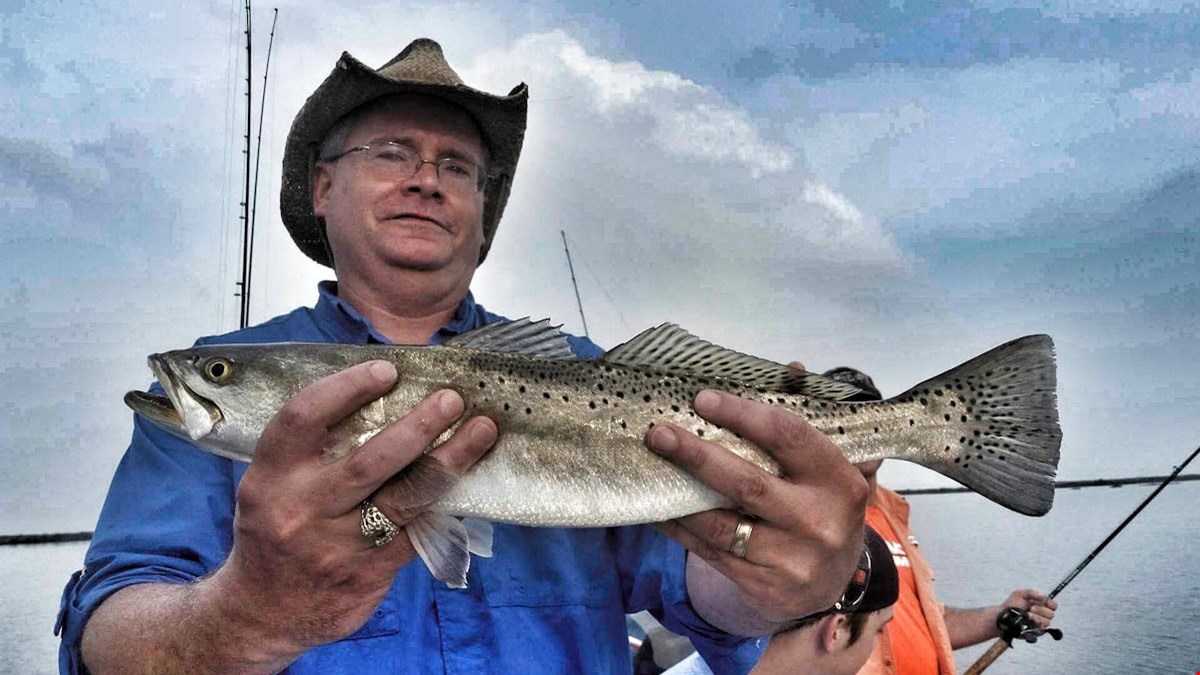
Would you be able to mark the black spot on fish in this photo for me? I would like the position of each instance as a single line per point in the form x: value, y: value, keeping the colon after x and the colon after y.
x: 646, y: 398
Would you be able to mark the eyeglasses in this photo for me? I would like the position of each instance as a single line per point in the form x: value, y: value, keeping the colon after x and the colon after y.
x: 389, y: 160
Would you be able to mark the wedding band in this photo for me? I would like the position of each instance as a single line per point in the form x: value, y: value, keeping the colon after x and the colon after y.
x: 741, y: 536
x: 377, y: 526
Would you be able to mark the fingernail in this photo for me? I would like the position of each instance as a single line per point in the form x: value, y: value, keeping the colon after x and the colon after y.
x: 664, y: 438
x: 383, y: 371
x: 450, y: 403
x: 707, y: 402
x: 481, y: 432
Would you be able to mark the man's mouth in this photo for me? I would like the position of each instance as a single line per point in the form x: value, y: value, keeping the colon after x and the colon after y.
x: 418, y: 216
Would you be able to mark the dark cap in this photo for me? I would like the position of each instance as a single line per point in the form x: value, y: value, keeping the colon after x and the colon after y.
x: 883, y: 583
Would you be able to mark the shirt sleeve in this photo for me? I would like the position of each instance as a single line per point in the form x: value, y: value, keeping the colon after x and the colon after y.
x: 653, y: 571
x: 168, y: 518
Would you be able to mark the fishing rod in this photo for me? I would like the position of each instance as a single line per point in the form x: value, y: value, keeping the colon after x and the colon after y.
x: 1017, y: 623
x: 244, y: 283
x: 575, y: 285
x: 247, y: 275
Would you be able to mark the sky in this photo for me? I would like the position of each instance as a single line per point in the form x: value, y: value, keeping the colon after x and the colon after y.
x: 892, y: 186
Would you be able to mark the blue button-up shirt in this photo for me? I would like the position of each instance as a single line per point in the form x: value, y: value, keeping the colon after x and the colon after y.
x: 550, y: 601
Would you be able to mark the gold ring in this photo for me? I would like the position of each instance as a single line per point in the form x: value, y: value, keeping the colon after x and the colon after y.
x: 741, y: 536
x: 377, y: 526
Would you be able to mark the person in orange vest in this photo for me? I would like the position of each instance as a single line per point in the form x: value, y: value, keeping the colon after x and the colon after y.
x: 923, y: 634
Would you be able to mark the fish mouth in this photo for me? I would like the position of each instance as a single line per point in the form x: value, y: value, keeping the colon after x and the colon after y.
x: 157, y: 409
x: 182, y: 411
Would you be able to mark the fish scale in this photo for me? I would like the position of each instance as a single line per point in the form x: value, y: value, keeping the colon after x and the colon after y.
x: 570, y: 450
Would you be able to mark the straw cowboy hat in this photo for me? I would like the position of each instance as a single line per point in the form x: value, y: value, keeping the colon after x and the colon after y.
x: 419, y: 69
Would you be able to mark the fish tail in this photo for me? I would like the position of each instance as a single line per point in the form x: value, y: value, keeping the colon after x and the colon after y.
x: 1003, y: 436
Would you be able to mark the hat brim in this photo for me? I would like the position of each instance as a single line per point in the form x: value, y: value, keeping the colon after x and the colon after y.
x: 352, y: 84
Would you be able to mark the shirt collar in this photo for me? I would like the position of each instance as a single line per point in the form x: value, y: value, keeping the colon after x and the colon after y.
x: 346, y: 324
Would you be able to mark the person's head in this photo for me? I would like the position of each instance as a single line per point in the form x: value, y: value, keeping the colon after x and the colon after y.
x: 383, y: 207
x: 345, y: 204
x: 839, y: 640
x: 869, y: 393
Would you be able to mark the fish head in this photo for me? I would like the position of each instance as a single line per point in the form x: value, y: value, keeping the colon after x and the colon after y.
x: 219, y: 397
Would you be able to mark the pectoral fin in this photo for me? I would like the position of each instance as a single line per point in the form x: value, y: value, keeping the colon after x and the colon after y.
x: 479, y: 536
x: 443, y: 543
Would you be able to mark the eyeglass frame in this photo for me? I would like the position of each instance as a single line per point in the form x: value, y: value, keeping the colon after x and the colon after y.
x: 480, y: 182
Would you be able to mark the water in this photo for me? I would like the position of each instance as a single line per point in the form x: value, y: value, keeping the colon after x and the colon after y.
x: 1135, y: 609
x: 31, y: 582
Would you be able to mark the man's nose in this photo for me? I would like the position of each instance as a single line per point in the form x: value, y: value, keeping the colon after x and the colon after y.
x: 424, y: 180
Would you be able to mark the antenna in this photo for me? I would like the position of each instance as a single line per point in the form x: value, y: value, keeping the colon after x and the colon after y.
x: 574, y: 284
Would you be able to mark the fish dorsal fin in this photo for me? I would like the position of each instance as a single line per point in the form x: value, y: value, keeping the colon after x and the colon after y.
x: 525, y: 337
x: 671, y: 349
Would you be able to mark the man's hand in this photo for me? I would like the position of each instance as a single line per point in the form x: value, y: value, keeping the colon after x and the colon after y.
x: 300, y: 573
x: 804, y: 547
x: 300, y: 566
x: 1040, y: 607
x: 967, y: 627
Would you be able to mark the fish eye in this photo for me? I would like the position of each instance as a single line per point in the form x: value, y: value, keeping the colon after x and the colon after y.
x: 218, y: 370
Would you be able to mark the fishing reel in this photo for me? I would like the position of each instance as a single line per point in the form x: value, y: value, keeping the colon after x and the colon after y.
x: 1016, y: 623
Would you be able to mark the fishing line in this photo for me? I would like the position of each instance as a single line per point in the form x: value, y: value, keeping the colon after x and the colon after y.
x: 999, y: 646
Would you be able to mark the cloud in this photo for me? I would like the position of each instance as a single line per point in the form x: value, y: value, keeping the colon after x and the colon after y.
x: 835, y: 220
x: 673, y: 198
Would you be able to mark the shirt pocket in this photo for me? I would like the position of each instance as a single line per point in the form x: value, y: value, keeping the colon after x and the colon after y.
x: 544, y: 567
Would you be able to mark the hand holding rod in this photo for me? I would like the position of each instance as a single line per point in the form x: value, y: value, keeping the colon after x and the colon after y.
x: 1002, y: 644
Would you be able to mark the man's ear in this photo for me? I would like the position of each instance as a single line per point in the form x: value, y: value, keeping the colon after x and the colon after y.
x: 322, y: 181
x: 834, y: 632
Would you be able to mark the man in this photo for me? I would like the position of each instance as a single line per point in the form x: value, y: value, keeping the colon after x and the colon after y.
x: 200, y: 564
x: 923, y: 634
x: 836, y: 641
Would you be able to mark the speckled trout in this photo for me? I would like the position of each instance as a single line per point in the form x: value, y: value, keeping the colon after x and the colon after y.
x: 570, y: 449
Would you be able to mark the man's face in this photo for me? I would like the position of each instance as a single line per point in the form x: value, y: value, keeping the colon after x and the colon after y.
x: 849, y: 660
x: 415, y: 222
